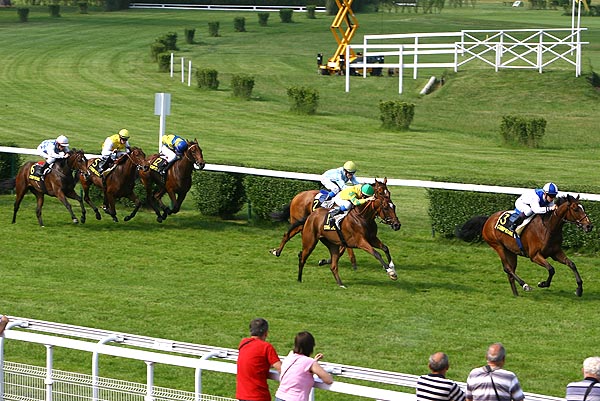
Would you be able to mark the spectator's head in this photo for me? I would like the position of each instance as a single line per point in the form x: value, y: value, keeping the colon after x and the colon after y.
x: 496, y: 354
x: 304, y: 343
x: 591, y: 367
x: 438, y: 362
x: 259, y: 327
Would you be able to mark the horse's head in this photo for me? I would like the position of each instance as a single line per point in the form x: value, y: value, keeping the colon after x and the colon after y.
x: 571, y: 210
x: 138, y: 157
x: 194, y: 153
x: 384, y: 205
x: 77, y: 161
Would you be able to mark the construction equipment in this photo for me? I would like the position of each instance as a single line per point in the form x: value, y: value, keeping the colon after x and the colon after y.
x: 343, y: 28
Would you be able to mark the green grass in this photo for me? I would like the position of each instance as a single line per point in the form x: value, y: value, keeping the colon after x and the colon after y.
x: 201, y: 280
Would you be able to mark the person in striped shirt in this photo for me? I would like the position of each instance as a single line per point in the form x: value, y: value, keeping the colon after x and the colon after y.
x: 491, y: 382
x: 434, y: 386
x: 589, y: 388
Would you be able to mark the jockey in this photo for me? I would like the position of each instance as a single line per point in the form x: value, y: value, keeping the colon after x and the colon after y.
x: 538, y: 201
x: 52, y: 149
x: 114, y: 147
x: 354, y: 195
x: 172, y: 148
x: 339, y: 178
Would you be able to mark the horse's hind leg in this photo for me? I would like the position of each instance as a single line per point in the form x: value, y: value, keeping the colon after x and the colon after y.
x: 334, y: 251
x: 343, y: 249
x: 38, y: 209
x: 309, y: 242
x: 20, y: 193
x: 509, y: 264
x: 136, y: 201
x: 562, y: 258
x: 286, y: 237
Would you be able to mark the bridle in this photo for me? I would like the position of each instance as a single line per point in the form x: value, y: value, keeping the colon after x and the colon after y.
x: 138, y: 166
x: 379, y: 210
x: 577, y: 222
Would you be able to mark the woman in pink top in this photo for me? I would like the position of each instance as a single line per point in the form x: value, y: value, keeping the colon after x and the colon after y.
x: 297, y: 369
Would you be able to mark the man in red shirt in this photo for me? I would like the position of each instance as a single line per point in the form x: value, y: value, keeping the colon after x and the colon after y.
x: 255, y: 359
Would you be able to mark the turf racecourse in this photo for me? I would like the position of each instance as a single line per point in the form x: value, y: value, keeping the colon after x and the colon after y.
x: 201, y: 280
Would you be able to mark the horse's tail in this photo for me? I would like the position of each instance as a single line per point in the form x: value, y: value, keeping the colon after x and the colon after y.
x: 7, y: 185
x: 283, y: 215
x: 471, y: 230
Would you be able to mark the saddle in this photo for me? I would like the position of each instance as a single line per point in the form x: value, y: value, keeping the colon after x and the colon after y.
x: 158, y: 164
x: 36, y: 172
x: 333, y: 223
x: 95, y: 168
x: 503, y: 224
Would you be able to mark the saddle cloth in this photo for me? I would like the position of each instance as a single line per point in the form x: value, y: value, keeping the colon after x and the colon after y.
x: 157, y: 164
x: 35, y: 172
x: 503, y: 223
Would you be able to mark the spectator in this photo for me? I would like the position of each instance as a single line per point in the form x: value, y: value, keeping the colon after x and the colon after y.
x: 491, y: 382
x: 296, y: 379
x: 255, y: 358
x: 586, y: 389
x: 434, y: 386
x: 3, y: 323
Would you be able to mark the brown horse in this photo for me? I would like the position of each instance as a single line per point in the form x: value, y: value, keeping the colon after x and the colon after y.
x: 177, y: 184
x: 357, y: 230
x: 303, y: 204
x: 119, y: 183
x: 59, y: 182
x: 540, y: 239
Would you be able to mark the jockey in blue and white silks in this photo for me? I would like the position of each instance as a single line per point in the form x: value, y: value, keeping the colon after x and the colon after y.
x: 538, y: 201
x: 339, y: 178
x: 52, y: 149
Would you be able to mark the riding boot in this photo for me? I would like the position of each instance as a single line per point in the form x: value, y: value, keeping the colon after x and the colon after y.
x: 335, y: 211
x: 46, y: 168
x: 514, y: 224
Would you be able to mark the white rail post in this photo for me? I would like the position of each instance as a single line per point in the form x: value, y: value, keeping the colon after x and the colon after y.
x: 416, y: 58
x: 162, y: 108
x: 347, y: 67
x: 149, y: 381
x: 172, y: 58
x: 540, y: 52
x: 190, y: 73
x: 96, y: 364
x: 182, y: 69
x: 48, y: 381
x: 400, y: 67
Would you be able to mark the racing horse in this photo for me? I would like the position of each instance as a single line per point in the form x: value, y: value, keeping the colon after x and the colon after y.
x: 59, y: 183
x: 303, y: 204
x: 541, y: 239
x: 357, y: 230
x: 118, y: 183
x: 177, y: 183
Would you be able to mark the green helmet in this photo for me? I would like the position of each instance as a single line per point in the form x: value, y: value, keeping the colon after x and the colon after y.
x: 367, y: 189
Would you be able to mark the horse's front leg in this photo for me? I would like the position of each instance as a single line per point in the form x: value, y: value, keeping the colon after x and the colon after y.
x: 62, y: 197
x: 376, y: 242
x: 136, y: 201
x: 562, y: 258
x: 73, y: 195
x: 390, y: 270
x: 540, y: 260
x: 38, y: 209
x: 109, y: 203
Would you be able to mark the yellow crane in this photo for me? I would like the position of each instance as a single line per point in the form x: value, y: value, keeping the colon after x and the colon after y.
x: 343, y: 27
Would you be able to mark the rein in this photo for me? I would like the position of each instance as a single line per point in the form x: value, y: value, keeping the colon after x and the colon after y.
x: 138, y: 165
x: 370, y: 205
x: 576, y: 222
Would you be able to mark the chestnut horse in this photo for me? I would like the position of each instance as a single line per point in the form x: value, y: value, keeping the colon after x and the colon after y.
x: 59, y: 182
x: 357, y: 230
x: 119, y: 183
x: 540, y: 239
x: 177, y: 183
x: 302, y: 205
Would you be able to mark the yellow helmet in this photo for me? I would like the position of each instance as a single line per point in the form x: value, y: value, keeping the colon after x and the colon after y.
x: 350, y: 167
x: 124, y: 134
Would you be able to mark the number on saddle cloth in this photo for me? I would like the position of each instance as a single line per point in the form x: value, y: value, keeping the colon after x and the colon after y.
x: 158, y: 164
x: 36, y: 171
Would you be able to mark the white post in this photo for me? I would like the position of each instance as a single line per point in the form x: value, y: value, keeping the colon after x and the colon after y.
x: 182, y: 69
x: 48, y: 381
x: 540, y: 52
x: 162, y: 108
x: 347, y: 66
x: 400, y: 67
x: 149, y: 381
x: 190, y: 73
x: 172, y: 65
x: 416, y: 58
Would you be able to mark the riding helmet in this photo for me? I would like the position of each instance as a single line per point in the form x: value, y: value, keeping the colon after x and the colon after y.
x: 551, y: 189
x: 62, y: 140
x: 367, y: 189
x: 181, y: 146
x: 124, y: 133
x: 350, y: 167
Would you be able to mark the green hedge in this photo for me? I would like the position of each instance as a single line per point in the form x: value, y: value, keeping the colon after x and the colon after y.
x: 267, y: 194
x: 218, y: 194
x: 9, y: 165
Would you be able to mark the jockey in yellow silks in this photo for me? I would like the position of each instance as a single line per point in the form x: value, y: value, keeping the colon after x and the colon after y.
x: 114, y: 147
x: 172, y: 148
x: 354, y: 195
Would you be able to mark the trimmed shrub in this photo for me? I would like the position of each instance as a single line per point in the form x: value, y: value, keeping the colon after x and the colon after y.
x: 54, y: 10
x: 23, y: 13
x: 522, y: 130
x: 157, y: 48
x: 239, y: 24
x: 164, y: 62
x: 213, y: 29
x: 331, y: 7
x: 83, y: 7
x: 285, y: 14
x: 207, y: 78
x: 267, y: 194
x: 263, y: 18
x: 218, y: 194
x: 189, y: 35
x: 303, y: 100
x: 311, y: 12
x: 396, y: 115
x: 169, y: 39
x: 9, y: 165
x: 242, y: 86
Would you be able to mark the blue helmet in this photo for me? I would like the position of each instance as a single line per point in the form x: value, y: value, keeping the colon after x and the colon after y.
x: 181, y: 146
x: 551, y: 189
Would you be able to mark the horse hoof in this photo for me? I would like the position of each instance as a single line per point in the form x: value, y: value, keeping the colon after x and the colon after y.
x: 275, y: 252
x: 126, y: 218
x: 98, y: 216
x: 343, y: 286
x: 75, y: 221
x: 323, y: 262
x: 543, y: 284
x: 526, y: 287
x: 393, y: 277
x: 579, y: 292
x: 159, y: 219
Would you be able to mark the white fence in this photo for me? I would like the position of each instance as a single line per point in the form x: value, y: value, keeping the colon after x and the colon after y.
x: 315, y: 177
x: 28, y: 382
x: 501, y: 49
x: 223, y: 7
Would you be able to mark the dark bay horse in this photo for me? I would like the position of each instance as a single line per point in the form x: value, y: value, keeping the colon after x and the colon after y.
x: 177, y: 183
x: 119, y: 183
x: 59, y: 182
x: 303, y: 204
x: 358, y: 230
x: 541, y: 239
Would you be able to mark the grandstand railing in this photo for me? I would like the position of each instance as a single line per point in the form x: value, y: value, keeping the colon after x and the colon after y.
x: 315, y: 177
x: 26, y: 382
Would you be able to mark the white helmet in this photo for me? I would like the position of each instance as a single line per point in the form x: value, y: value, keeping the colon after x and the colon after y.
x: 551, y: 189
x: 62, y: 140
